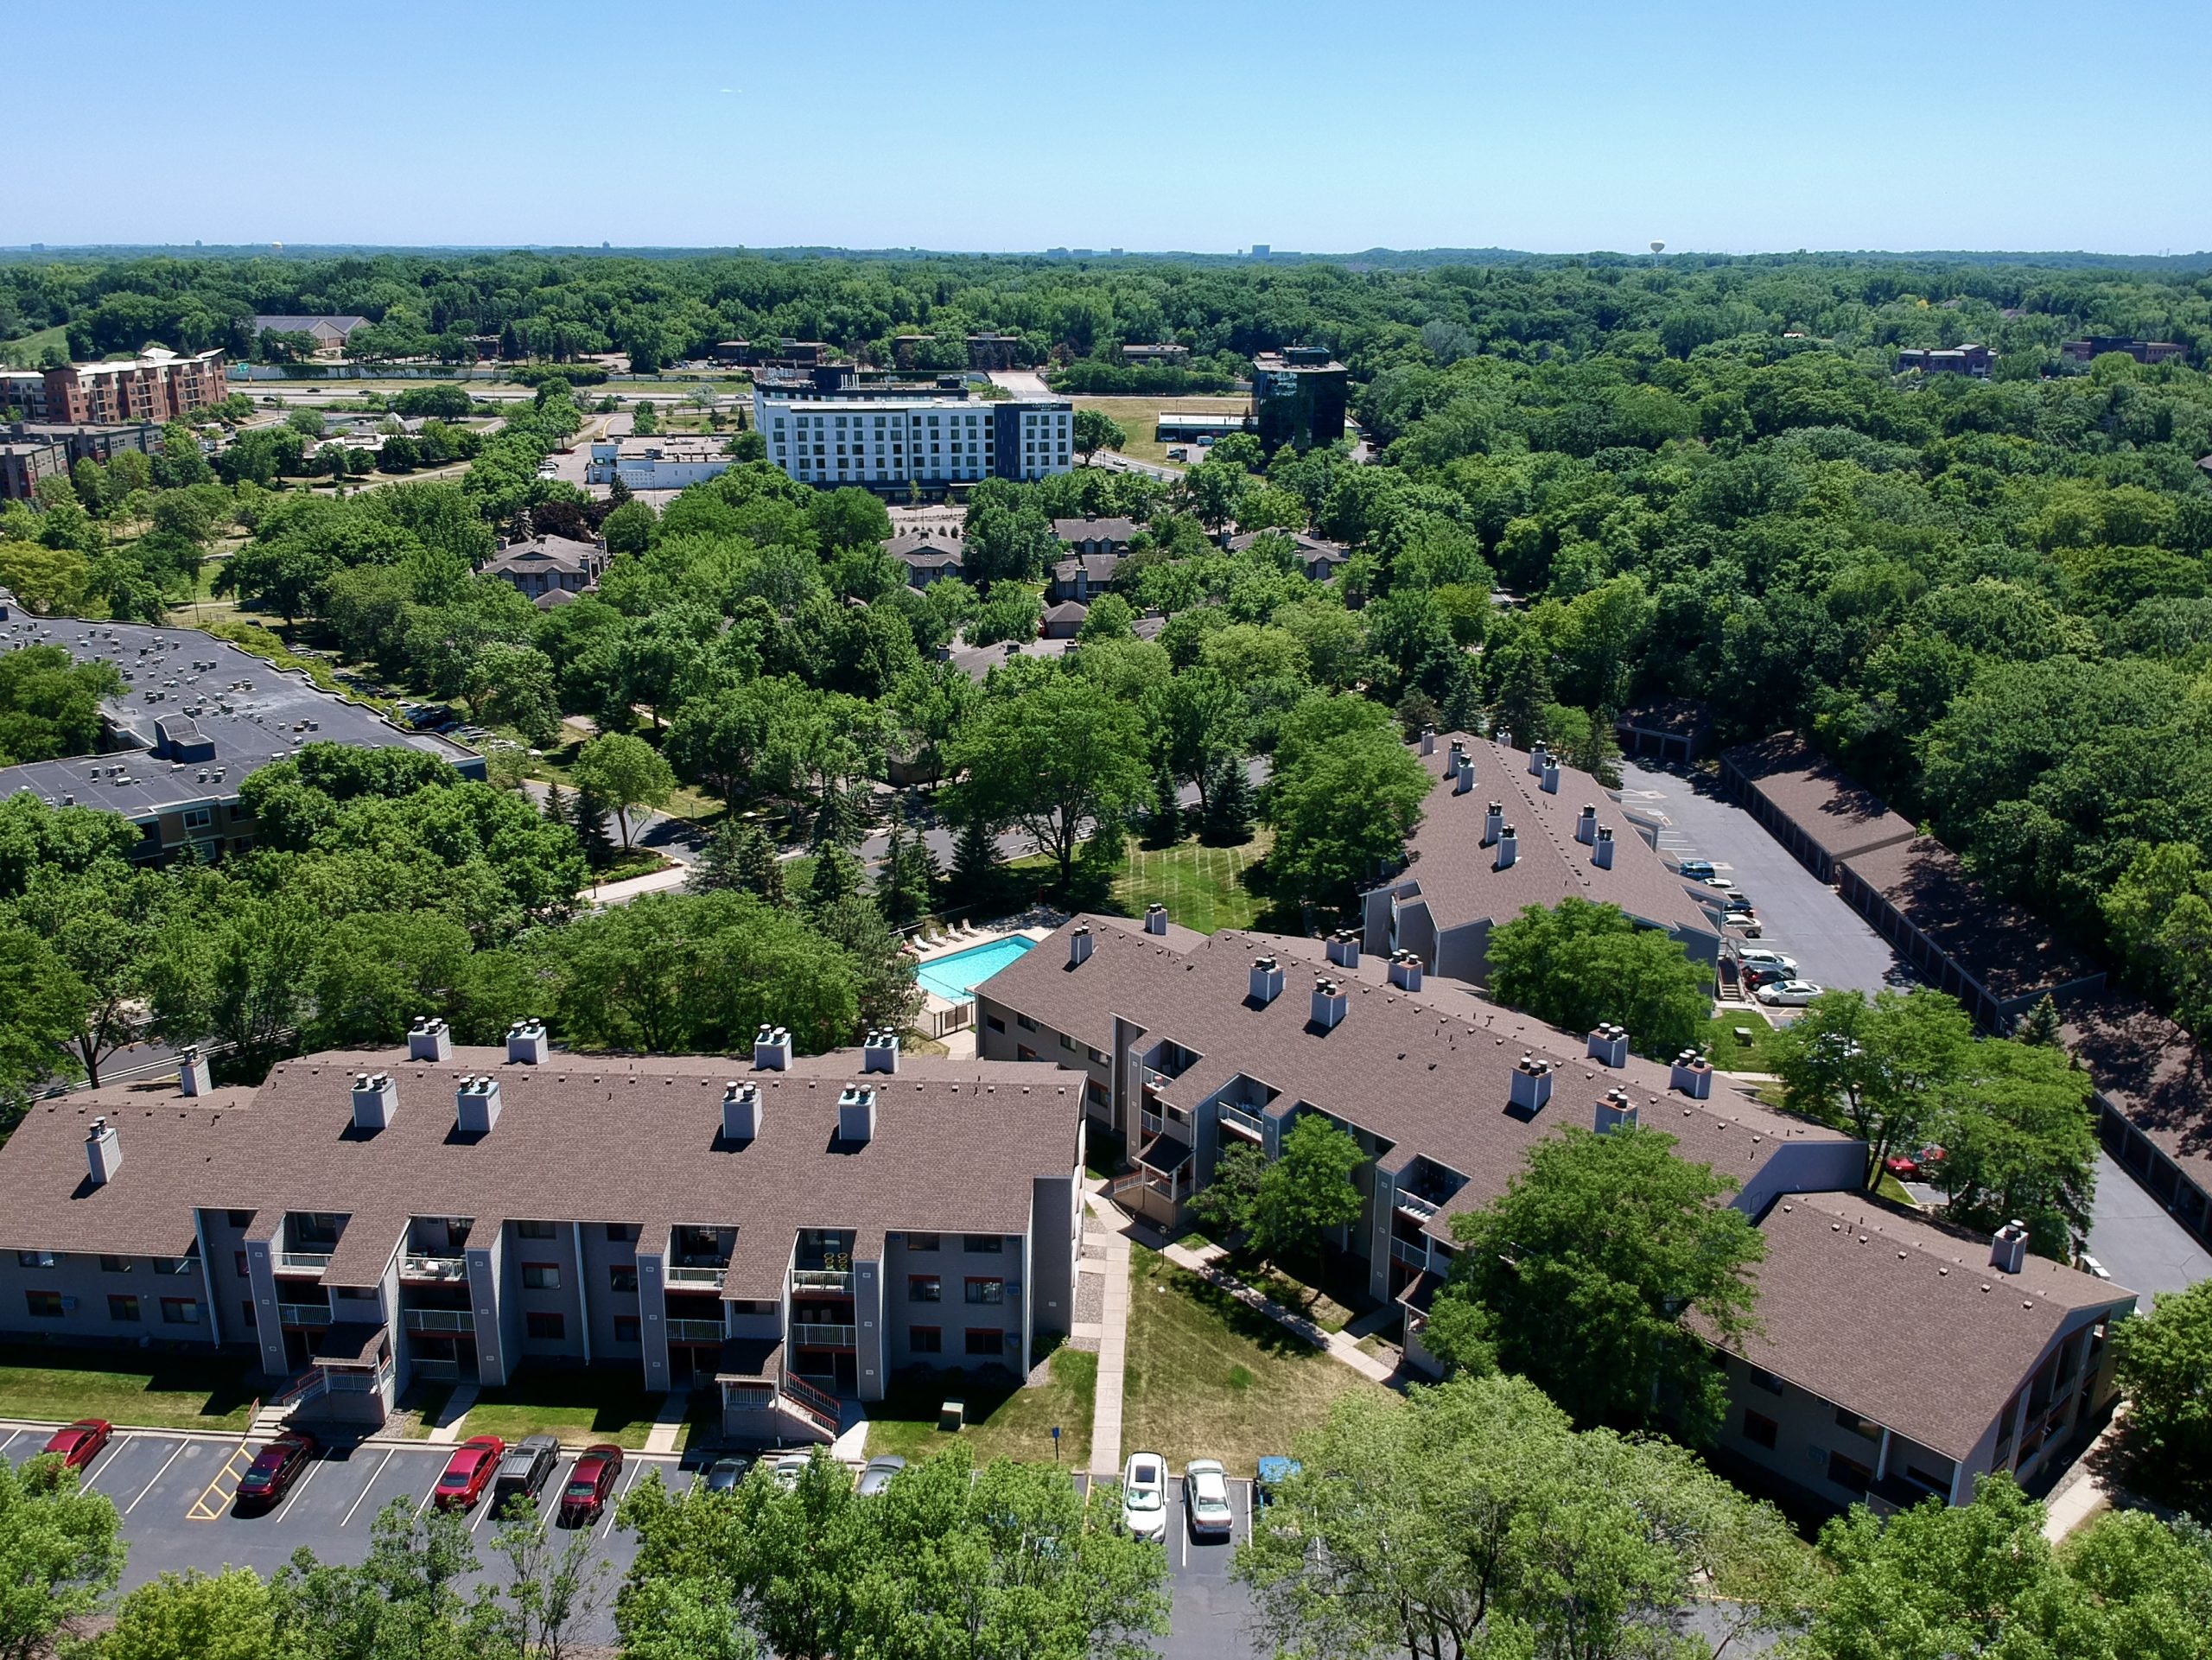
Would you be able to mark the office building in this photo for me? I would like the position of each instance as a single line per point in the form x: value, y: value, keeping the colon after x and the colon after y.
x: 1969, y: 359
x: 1167, y: 355
x: 2087, y: 351
x: 329, y: 333
x: 887, y: 439
x: 1299, y: 397
x: 156, y: 385
x: 672, y: 461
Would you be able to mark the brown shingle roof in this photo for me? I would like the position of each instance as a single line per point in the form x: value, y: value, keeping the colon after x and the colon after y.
x: 2009, y: 952
x: 1806, y: 788
x: 2151, y: 1071
x: 1089, y: 529
x: 1904, y: 1322
x: 583, y: 1138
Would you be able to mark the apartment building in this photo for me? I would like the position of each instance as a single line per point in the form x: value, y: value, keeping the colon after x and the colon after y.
x: 542, y: 566
x: 674, y: 461
x: 196, y: 715
x: 156, y: 385
x: 1895, y: 1358
x: 25, y: 462
x: 1299, y: 397
x: 24, y: 391
x: 787, y: 1231
x: 932, y: 441
x: 1504, y: 829
x: 2087, y: 351
x: 1967, y: 359
x: 1164, y: 356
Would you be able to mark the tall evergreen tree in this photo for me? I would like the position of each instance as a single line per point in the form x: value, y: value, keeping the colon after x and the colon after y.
x: 594, y: 835
x: 836, y: 877
x: 2040, y: 1024
x: 975, y: 858
x: 905, y: 885
x: 740, y: 858
x: 1230, y: 806
x: 1165, y: 827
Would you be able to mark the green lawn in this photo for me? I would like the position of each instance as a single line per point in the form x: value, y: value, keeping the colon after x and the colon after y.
x: 1002, y: 1421
x: 1208, y: 1377
x: 26, y: 353
x: 1140, y: 419
x: 1718, y: 1036
x: 157, y: 1392
x: 587, y: 1404
x: 1203, y: 888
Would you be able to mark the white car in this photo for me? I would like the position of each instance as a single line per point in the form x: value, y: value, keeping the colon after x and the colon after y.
x: 1206, y: 1497
x: 1719, y: 884
x: 1789, y: 994
x: 1759, y: 958
x: 1144, y: 1495
x: 787, y: 1469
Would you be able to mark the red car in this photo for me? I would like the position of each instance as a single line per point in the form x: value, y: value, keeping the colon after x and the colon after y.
x: 589, y: 1483
x: 79, y: 1442
x: 275, y: 1468
x: 469, y: 1471
x: 1910, y: 1167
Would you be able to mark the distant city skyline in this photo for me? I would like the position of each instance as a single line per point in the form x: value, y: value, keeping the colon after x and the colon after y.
x: 1295, y: 126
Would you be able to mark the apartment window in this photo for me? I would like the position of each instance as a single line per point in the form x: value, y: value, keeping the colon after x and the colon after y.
x: 1849, y: 1473
x: 43, y: 1305
x: 173, y: 1265
x: 1759, y: 1429
x: 985, y: 1341
x: 1066, y: 1042
x: 985, y: 1291
x: 925, y: 1340
x: 238, y: 1219
x: 623, y: 1276
x: 545, y: 1328
x: 124, y: 1309
x: 180, y: 1311
x: 1025, y: 1023
x: 621, y: 1233
x: 114, y: 1264
x: 924, y: 1288
x: 239, y: 1263
x: 983, y: 1245
x: 1846, y: 1419
x: 541, y: 1276
x: 245, y: 1311
x: 921, y: 1242
x: 37, y: 1258
x: 626, y: 1328
x: 993, y: 1023
x: 533, y: 1230
x: 197, y: 819
x: 1765, y: 1380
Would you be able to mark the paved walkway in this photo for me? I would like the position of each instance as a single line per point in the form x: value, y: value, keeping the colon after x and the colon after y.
x: 668, y: 1422
x: 2081, y: 1494
x: 447, y: 1430
x: 1113, y: 1341
x: 657, y: 882
x: 1341, y: 1347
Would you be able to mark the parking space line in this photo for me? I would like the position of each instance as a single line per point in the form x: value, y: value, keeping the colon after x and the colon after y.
x: 158, y: 1474
x: 365, y: 1490
x: 201, y: 1510
x: 113, y: 1451
x: 617, y: 1504
x: 314, y: 1466
x: 13, y: 1436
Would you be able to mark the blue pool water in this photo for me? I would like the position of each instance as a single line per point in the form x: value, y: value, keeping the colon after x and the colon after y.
x: 953, y: 977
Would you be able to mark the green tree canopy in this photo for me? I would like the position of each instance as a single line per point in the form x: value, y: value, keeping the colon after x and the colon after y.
x: 1583, y: 963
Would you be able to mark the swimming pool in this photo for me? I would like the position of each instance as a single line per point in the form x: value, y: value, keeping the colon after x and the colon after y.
x: 955, y: 978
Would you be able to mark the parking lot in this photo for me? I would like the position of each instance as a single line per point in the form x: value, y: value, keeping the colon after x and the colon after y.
x: 175, y: 1495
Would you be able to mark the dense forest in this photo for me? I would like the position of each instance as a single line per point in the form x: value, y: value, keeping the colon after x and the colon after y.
x: 1596, y: 483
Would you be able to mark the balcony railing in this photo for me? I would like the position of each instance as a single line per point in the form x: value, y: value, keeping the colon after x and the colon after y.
x: 822, y: 1279
x: 679, y: 1274
x: 313, y: 1315
x: 822, y: 1334
x: 1238, y: 1118
x: 304, y: 1261
x: 1416, y: 1206
x: 438, y: 1320
x: 438, y: 1371
x: 1412, y: 1255
x: 358, y: 1382
x: 695, y: 1331
x: 448, y: 1269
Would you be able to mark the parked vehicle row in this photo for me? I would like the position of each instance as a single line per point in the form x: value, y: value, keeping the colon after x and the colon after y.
x: 1206, y: 1508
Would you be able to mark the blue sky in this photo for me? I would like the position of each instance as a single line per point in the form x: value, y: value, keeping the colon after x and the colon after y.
x: 1328, y: 127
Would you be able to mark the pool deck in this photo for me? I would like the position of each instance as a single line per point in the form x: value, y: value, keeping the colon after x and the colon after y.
x: 941, y: 1014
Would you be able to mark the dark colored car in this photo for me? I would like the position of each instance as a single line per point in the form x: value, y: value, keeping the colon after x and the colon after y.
x: 469, y: 1472
x: 525, y: 1470
x: 589, y: 1483
x: 1275, y: 1470
x: 724, y: 1473
x: 79, y: 1442
x: 275, y: 1468
x: 1696, y: 869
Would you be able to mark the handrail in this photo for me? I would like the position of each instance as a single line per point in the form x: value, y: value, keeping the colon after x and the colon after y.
x: 316, y: 1260
x: 822, y: 1279
x: 1415, y: 1204
x: 819, y: 1402
x: 677, y: 1273
x: 695, y: 1331
x: 438, y: 1320
x: 824, y: 1335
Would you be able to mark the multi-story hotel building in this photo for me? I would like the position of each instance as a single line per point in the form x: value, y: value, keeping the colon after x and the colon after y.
x: 890, y: 437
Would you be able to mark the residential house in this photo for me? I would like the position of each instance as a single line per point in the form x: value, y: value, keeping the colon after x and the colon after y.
x: 545, y: 565
x: 927, y: 556
x: 1065, y: 620
x: 330, y: 334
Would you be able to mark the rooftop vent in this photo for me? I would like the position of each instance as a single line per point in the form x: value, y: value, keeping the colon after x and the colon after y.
x: 740, y: 1112
x: 476, y: 1105
x: 1406, y: 970
x: 1691, y: 1074
x: 1509, y: 848
x: 376, y: 1098
x: 1343, y: 949
x: 428, y: 1039
x: 1267, y: 980
x: 1155, y: 919
x: 880, y: 1052
x: 2009, y: 1250
x: 1601, y: 850
x: 1328, y: 1003
x: 856, y: 1115
x: 1493, y: 822
x: 1550, y: 779
x: 1532, y: 1086
x: 103, y: 1151
x: 192, y: 1076
x: 1538, y: 759
x: 1429, y: 740
x: 1585, y: 827
x: 1463, y: 777
x: 526, y: 1042
x: 1079, y: 945
x: 1608, y: 1045
x: 772, y: 1050
x: 1615, y: 1111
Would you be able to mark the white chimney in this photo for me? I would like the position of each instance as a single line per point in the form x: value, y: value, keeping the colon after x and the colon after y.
x: 1080, y: 944
x: 880, y: 1052
x: 1328, y: 1003
x: 1532, y: 1086
x: 1429, y: 740
x: 527, y: 1043
x: 1608, y: 1045
x: 740, y: 1110
x: 772, y: 1050
x: 1586, y: 828
x: 1601, y: 850
x: 476, y: 1105
x: 1550, y: 781
x: 1343, y: 949
x: 1691, y: 1074
x: 2009, y: 1250
x: 103, y: 1151
x: 376, y: 1098
x: 428, y: 1039
x: 1615, y: 1111
x: 1405, y: 971
x: 1509, y: 848
x: 1537, y: 758
x: 856, y: 1115
x: 192, y: 1075
x: 1462, y: 776
x: 1155, y: 919
x: 1267, y: 980
x: 1493, y: 822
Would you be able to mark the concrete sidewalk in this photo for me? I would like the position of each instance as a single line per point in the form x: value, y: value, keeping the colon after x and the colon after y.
x: 453, y: 1414
x: 1113, y: 1341
x: 668, y: 1422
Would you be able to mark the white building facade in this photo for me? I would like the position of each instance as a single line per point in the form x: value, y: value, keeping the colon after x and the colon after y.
x: 930, y: 441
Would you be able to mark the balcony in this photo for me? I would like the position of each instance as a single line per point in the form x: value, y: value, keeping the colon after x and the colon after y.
x: 303, y: 1262
x: 308, y: 1316
x: 438, y: 1320
x: 694, y: 1274
x: 1413, y: 1254
x: 695, y: 1331
x: 1237, y: 1118
x: 443, y: 1270
x: 824, y: 1334
x: 833, y: 1280
x: 1413, y: 1205
x: 437, y: 1371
